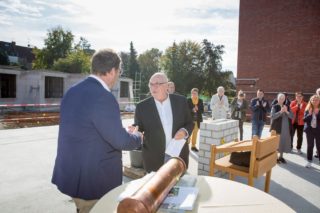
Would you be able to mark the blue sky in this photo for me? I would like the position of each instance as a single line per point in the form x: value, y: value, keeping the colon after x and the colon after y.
x: 113, y: 24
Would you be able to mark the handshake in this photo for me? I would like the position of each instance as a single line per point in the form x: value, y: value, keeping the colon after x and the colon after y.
x: 133, y: 129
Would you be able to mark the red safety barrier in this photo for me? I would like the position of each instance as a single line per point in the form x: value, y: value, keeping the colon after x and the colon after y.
x: 28, y: 105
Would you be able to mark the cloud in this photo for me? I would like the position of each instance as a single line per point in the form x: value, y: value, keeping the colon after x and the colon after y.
x: 16, y: 7
x: 148, y: 23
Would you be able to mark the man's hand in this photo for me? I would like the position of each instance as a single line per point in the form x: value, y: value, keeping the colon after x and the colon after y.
x: 264, y: 104
x: 135, y: 130
x: 181, y: 134
x: 132, y: 129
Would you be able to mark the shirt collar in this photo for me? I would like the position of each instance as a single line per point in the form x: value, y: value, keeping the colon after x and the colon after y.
x: 101, y: 82
x: 165, y: 102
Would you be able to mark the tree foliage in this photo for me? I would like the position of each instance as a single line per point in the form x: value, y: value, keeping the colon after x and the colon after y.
x: 125, y: 63
x: 76, y: 62
x: 149, y: 63
x: 182, y: 63
x: 58, y: 44
x: 190, y: 64
x: 133, y: 67
x: 4, y: 59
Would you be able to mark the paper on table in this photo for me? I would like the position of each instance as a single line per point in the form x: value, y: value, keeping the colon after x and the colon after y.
x: 175, y: 146
x: 180, y: 197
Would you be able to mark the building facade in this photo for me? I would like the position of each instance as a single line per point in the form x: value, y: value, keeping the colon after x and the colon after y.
x: 21, y: 87
x: 279, y: 47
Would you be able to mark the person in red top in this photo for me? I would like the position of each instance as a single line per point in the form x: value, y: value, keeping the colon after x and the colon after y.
x: 298, y: 107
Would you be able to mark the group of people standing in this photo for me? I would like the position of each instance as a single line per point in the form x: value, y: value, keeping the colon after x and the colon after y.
x: 287, y: 118
x: 91, y: 136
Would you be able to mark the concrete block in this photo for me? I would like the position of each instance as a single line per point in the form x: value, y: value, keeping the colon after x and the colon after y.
x: 206, y: 168
x: 203, y: 125
x: 218, y: 135
x: 201, y: 172
x: 200, y: 166
x: 214, y: 141
x: 207, y: 154
x: 202, y: 139
x: 204, y: 160
x: 205, y: 133
x: 204, y: 147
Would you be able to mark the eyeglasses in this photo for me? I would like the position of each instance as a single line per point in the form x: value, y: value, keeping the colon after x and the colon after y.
x: 156, y: 84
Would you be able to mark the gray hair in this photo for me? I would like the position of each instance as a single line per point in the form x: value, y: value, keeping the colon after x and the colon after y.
x: 104, y: 61
x: 318, y: 92
x: 279, y: 95
x: 160, y: 75
x: 221, y: 88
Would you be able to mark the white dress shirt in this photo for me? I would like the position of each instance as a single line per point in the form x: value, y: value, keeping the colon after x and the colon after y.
x: 101, y: 82
x: 165, y: 114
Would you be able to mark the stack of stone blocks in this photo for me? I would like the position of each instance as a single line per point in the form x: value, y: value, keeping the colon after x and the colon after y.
x: 214, y: 132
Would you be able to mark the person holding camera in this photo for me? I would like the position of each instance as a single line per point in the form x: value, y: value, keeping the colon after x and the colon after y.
x: 239, y: 106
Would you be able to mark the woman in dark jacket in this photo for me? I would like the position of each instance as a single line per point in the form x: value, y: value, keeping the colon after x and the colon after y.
x: 239, y: 106
x: 280, y: 122
x: 312, y: 126
x: 196, y: 109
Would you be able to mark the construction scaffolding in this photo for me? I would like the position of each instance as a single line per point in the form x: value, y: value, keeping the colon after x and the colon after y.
x: 136, y: 87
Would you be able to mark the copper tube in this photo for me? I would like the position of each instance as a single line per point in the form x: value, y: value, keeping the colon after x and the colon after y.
x: 149, y: 197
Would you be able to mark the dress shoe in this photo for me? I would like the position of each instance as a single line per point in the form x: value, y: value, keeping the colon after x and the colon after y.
x: 194, y: 149
x: 282, y: 160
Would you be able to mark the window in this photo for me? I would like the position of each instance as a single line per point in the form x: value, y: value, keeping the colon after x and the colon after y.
x: 53, y: 87
x: 8, y: 86
x: 124, y: 89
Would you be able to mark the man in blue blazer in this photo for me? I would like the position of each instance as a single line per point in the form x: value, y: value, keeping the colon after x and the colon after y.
x: 162, y: 117
x: 91, y: 136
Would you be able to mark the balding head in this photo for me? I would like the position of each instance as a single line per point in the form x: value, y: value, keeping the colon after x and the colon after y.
x: 158, y: 85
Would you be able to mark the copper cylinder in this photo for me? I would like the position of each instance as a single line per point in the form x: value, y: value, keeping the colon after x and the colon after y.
x: 149, y: 197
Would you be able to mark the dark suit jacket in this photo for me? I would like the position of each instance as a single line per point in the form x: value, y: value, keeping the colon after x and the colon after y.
x: 91, y: 137
x: 307, y: 124
x: 196, y: 116
x: 259, y: 112
x: 148, y: 120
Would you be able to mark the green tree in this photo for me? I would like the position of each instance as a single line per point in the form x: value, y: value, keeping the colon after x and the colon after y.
x: 149, y: 63
x: 182, y: 63
x: 212, y: 57
x: 125, y: 63
x: 76, y: 62
x: 133, y: 63
x: 84, y: 45
x: 58, y: 44
x: 4, y: 59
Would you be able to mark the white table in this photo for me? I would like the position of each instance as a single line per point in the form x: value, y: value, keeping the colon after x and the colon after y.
x: 215, y: 195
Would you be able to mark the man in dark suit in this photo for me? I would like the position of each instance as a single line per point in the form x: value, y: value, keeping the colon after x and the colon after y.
x: 91, y: 136
x: 161, y: 118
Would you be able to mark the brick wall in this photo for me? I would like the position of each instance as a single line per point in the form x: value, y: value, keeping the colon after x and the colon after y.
x: 279, y: 46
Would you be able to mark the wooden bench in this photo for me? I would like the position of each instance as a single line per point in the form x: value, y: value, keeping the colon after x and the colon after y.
x: 263, y: 158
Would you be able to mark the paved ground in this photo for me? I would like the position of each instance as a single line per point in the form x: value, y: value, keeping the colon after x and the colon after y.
x: 27, y: 157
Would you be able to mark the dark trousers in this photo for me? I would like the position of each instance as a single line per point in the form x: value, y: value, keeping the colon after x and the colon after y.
x: 312, y: 136
x: 299, y: 129
x: 241, y: 129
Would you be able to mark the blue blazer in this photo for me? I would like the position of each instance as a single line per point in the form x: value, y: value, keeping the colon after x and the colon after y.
x: 91, y: 138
